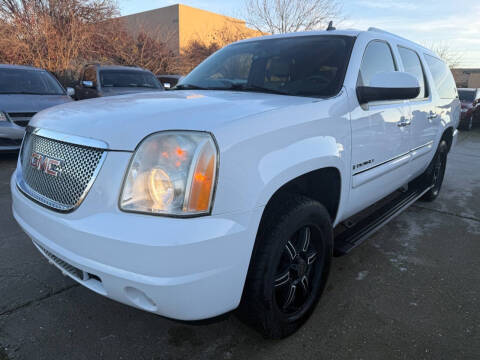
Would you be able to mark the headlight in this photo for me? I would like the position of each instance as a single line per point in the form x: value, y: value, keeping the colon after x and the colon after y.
x: 3, y: 116
x: 172, y: 173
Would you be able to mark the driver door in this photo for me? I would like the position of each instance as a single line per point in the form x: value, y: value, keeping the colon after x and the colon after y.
x: 380, y: 136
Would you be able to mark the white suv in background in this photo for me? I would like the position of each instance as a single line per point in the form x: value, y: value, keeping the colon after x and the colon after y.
x: 236, y: 188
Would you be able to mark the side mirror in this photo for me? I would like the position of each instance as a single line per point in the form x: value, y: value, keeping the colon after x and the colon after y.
x: 88, y: 84
x: 386, y: 86
x: 70, y: 91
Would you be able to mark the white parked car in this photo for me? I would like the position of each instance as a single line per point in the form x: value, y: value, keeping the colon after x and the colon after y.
x: 236, y: 188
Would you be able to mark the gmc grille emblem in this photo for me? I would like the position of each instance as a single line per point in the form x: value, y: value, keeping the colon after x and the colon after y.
x: 48, y: 165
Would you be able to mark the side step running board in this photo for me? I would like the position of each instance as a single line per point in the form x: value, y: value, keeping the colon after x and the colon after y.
x: 355, y: 234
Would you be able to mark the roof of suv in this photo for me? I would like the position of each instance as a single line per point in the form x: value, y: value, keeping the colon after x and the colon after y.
x: 19, y: 67
x: 348, y: 32
x: 352, y: 33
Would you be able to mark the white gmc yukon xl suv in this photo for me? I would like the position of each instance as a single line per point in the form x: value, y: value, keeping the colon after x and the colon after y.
x: 235, y: 189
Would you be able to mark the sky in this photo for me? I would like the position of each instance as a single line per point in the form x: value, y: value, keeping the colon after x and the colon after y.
x: 455, y: 24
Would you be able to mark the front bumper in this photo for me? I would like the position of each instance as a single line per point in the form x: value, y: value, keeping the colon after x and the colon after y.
x: 187, y: 269
x: 11, y: 136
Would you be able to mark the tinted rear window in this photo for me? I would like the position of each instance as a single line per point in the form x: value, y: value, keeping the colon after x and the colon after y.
x: 311, y: 66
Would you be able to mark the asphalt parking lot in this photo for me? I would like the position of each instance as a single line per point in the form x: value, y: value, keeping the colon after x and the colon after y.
x: 412, y: 291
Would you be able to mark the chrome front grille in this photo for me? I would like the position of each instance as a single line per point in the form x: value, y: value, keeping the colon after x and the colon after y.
x: 63, y: 185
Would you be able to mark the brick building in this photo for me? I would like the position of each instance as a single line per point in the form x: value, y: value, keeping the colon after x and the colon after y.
x: 178, y: 25
x: 467, y: 78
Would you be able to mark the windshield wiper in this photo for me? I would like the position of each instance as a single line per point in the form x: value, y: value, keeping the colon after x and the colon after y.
x: 188, y: 87
x: 256, y: 88
x: 24, y: 93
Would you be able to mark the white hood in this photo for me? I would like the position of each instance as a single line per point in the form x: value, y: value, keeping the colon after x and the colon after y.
x: 123, y: 121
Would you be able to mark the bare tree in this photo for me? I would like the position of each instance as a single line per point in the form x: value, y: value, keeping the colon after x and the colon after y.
x: 282, y: 16
x: 63, y: 35
x: 451, y: 56
x: 53, y: 34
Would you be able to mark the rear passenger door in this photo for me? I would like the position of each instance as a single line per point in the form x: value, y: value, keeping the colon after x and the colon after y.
x: 380, y: 139
x: 425, y: 122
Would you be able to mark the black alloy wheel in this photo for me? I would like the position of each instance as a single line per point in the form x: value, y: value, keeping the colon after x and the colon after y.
x: 436, y: 172
x: 296, y: 272
x: 289, y: 267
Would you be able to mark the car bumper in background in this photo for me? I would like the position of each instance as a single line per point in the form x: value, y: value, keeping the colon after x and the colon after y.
x: 465, y: 114
x: 187, y: 269
x: 10, y: 136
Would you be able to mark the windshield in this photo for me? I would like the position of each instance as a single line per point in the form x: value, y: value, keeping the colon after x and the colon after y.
x: 311, y: 66
x: 36, y: 82
x: 466, y: 95
x: 126, y: 78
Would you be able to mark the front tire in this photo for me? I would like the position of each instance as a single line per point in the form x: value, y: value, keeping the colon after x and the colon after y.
x: 435, y: 172
x: 289, y: 267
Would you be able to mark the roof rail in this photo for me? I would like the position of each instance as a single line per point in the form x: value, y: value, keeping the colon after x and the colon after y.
x: 374, y: 29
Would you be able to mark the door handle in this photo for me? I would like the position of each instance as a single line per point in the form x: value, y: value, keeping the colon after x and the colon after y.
x: 403, y: 122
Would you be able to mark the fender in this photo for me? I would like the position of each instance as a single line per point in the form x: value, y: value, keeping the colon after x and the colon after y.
x: 282, y: 148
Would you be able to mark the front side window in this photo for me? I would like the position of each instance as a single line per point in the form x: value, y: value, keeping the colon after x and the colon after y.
x: 443, y: 78
x: 412, y: 64
x: 35, y: 82
x: 312, y: 66
x: 377, y: 59
x: 128, y: 78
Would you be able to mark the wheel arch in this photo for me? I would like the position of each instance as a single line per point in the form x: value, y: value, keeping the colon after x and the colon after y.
x: 448, y: 136
x: 323, y: 185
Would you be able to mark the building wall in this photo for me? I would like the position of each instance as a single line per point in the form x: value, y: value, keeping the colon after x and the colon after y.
x: 178, y: 25
x: 208, y: 27
x: 474, y: 81
x: 161, y: 24
x: 467, y: 78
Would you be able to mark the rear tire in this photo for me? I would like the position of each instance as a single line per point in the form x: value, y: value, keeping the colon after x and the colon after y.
x: 289, y: 267
x: 435, y: 172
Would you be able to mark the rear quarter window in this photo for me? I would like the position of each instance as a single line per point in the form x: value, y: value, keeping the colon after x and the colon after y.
x: 442, y: 77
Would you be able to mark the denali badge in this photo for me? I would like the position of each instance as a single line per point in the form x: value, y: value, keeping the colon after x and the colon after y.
x: 48, y: 165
